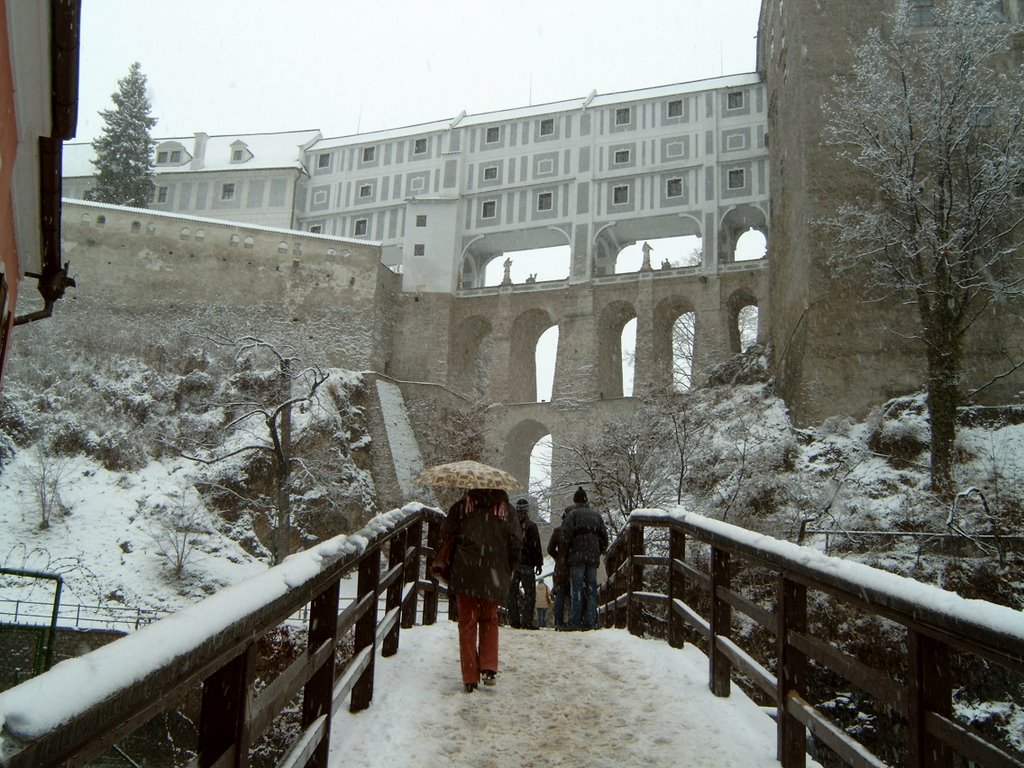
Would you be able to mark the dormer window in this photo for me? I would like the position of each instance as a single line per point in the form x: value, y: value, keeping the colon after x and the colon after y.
x: 171, y: 153
x: 240, y: 152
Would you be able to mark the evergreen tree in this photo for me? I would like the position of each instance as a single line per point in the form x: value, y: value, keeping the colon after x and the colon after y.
x: 124, y: 151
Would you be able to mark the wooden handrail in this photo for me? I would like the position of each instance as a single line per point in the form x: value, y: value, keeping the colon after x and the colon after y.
x: 696, y: 567
x: 113, y: 702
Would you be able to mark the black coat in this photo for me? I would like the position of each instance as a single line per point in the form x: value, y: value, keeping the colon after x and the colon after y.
x: 560, y: 556
x: 533, y: 555
x: 584, y: 536
x: 488, y: 543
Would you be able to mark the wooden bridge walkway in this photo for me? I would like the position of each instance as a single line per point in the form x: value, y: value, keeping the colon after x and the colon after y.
x: 729, y: 602
x: 566, y: 699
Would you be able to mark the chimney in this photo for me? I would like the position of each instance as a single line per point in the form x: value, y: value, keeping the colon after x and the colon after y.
x: 199, y: 151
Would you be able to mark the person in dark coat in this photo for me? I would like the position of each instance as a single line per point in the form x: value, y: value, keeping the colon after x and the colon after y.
x: 585, y: 538
x: 560, y: 577
x: 488, y: 543
x: 522, y: 596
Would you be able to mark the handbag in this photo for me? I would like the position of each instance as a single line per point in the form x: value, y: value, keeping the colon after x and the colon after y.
x: 441, y: 568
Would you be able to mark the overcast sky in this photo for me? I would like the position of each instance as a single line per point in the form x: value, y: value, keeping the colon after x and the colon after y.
x: 248, y: 66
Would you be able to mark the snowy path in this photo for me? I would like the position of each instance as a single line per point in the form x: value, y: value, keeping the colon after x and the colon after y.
x: 580, y: 700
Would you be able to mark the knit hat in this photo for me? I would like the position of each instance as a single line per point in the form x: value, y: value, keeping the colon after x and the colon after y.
x: 580, y: 497
x: 522, y: 504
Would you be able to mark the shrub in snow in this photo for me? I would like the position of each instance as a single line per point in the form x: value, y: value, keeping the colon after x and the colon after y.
x: 901, y: 430
x: 118, y: 451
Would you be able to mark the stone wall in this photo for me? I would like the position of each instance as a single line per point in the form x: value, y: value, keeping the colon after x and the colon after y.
x: 151, y: 276
x: 834, y: 351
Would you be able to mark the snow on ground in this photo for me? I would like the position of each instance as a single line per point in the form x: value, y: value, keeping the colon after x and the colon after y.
x: 567, y: 699
x: 107, y: 545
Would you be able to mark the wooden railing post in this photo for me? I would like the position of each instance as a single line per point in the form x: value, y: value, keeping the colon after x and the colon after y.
x: 414, y: 538
x: 396, y: 556
x: 225, y: 711
x: 317, y: 693
x: 792, y: 672
x: 721, y: 621
x: 635, y: 581
x: 430, y: 596
x: 930, y: 689
x: 366, y: 628
x: 676, y: 585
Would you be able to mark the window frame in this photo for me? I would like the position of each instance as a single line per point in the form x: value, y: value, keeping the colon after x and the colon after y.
x: 416, y: 146
x: 624, y: 189
x: 496, y: 129
x: 617, y: 160
x: 360, y: 227
x: 323, y: 160
x: 547, y: 122
x: 488, y: 176
x: 548, y: 197
x: 161, y: 157
x: 161, y: 195
x: 364, y: 191
x: 369, y: 154
x: 619, y: 112
x: 237, y: 155
x: 227, y: 191
x: 491, y: 205
x: 671, y: 105
x: 732, y: 173
x: 675, y: 181
x: 729, y: 106
x: 419, y: 249
x: 421, y: 219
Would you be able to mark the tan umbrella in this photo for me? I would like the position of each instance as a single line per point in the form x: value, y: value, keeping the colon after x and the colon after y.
x: 467, y: 474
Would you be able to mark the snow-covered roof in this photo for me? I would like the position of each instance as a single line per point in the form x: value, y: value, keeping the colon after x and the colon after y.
x: 536, y: 110
x: 268, y: 150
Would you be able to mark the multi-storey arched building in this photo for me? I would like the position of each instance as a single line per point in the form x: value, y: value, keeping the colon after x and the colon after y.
x: 442, y: 200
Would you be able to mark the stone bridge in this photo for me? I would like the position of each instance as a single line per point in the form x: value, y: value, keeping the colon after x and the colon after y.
x: 490, y: 337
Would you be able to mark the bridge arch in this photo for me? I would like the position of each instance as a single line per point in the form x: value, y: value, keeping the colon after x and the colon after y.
x: 612, y: 320
x: 738, y: 301
x: 525, y: 332
x: 520, y: 441
x: 736, y: 222
x: 470, y: 354
x: 672, y: 345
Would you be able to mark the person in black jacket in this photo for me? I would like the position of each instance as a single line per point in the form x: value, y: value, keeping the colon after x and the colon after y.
x: 585, y: 538
x: 522, y: 595
x: 560, y: 578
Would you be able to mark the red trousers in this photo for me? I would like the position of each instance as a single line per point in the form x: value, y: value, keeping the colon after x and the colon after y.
x: 478, y: 623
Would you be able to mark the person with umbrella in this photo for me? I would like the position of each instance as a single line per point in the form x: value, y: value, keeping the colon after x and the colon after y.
x: 488, y: 541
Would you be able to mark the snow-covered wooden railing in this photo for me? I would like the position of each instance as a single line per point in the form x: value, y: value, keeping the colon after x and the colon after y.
x: 80, y: 708
x: 704, y: 570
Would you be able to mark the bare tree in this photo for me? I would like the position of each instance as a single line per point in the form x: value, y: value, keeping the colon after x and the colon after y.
x: 628, y: 464
x: 46, y: 476
x: 934, y: 118
x: 271, y: 409
x: 176, y: 530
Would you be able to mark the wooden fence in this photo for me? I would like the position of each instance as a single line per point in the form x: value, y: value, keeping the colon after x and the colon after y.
x: 753, y: 603
x: 221, y: 662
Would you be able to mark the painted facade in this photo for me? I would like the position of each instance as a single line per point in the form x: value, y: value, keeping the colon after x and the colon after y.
x: 445, y: 198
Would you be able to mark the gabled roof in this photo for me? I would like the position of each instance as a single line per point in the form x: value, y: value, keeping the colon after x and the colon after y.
x: 537, y: 110
x: 269, y: 150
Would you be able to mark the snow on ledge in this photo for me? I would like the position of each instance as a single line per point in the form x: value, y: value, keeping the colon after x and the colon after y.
x: 997, y: 618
